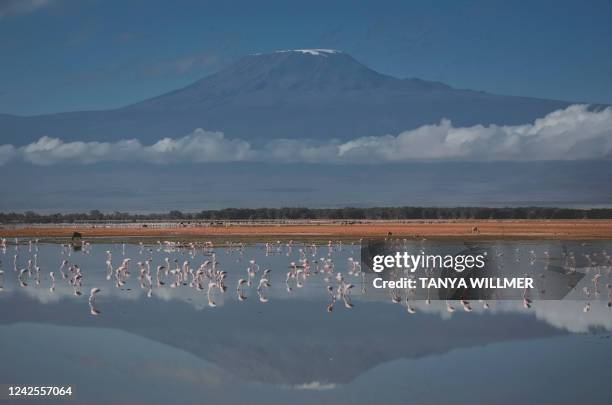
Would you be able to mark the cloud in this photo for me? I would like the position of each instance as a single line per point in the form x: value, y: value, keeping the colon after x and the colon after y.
x: 569, y: 134
x: 11, y: 7
x: 198, y: 147
x: 48, y: 151
x: 315, y: 386
x: 574, y: 133
x: 7, y: 153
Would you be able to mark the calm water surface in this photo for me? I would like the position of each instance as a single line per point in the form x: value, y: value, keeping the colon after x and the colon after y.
x: 138, y: 342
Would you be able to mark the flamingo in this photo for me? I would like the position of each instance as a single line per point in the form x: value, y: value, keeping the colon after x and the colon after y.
x: 92, y: 294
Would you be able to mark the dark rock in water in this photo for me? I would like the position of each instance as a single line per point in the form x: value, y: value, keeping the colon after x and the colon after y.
x: 77, y: 242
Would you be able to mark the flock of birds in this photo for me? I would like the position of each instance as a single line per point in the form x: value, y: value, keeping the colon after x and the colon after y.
x: 210, y: 277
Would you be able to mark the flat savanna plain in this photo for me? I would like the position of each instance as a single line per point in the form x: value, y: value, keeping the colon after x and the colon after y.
x: 460, y: 229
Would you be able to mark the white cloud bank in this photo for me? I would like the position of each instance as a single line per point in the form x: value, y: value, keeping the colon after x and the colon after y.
x: 569, y: 134
x: 198, y: 147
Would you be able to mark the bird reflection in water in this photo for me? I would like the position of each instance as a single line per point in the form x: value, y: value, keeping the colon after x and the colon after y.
x: 337, y: 281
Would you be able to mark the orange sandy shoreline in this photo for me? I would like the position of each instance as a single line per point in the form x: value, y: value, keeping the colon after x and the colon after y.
x: 498, y: 229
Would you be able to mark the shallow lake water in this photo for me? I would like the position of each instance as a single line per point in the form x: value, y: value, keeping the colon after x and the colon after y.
x: 156, y: 340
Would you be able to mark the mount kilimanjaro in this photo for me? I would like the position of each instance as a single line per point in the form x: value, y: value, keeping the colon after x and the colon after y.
x: 308, y: 93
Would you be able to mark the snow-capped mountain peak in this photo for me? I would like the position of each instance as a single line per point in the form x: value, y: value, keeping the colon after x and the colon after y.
x: 314, y: 52
x: 300, y: 93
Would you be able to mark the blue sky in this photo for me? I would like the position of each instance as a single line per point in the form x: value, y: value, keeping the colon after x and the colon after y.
x: 61, y: 55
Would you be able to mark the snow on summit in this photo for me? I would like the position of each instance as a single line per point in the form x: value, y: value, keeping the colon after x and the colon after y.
x: 315, y: 52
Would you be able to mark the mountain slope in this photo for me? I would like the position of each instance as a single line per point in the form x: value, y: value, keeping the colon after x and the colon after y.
x: 318, y: 94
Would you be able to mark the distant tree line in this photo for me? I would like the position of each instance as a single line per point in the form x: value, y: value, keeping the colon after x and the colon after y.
x: 296, y: 213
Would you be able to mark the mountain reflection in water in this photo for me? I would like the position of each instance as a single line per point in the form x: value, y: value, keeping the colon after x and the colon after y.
x: 157, y: 337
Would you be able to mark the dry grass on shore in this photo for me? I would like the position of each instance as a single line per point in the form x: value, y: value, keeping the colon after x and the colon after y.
x: 498, y: 229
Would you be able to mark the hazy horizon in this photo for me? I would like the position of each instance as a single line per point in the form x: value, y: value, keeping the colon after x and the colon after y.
x: 159, y: 188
